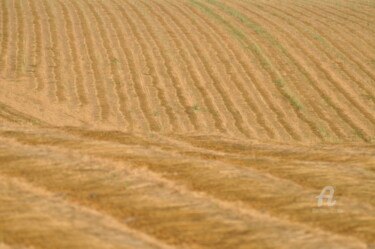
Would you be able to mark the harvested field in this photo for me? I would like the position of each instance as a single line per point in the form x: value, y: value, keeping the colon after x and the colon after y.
x: 187, y: 124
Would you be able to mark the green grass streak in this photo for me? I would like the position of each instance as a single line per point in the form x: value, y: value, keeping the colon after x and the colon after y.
x: 242, y: 38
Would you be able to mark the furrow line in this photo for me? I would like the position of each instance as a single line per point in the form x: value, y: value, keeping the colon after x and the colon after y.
x: 20, y: 49
x: 39, y: 83
x: 45, y: 219
x: 361, y: 66
x: 344, y: 154
x: 368, y: 6
x: 283, y: 163
x: 311, y: 175
x: 83, y: 55
x: 121, y: 97
x: 100, y: 91
x: 337, y: 45
x: 5, y: 35
x: 364, y: 16
x: 274, y: 75
x: 17, y: 115
x: 104, y: 184
x: 334, y: 44
x: 208, y: 101
x: 7, y: 117
x: 141, y: 91
x: 352, y: 8
x: 234, y: 74
x: 252, y: 76
x: 369, y: 43
x: 196, y: 75
x: 266, y: 64
x: 29, y: 55
x: 65, y: 70
x: 153, y: 72
x: 176, y: 81
x: 79, y: 86
x: 194, y: 175
x: 331, y: 78
x: 304, y: 92
x: 55, y: 48
x: 345, y: 18
x: 11, y: 57
x: 216, y: 81
x: 302, y: 68
x: 129, y: 58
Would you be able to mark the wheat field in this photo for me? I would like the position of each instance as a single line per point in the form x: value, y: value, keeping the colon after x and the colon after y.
x: 187, y: 124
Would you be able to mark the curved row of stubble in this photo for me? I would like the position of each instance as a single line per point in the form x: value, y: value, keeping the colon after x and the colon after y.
x: 286, y: 72
x: 71, y: 187
x: 202, y: 124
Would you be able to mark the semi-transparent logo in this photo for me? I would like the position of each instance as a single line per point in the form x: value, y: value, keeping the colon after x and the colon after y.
x: 325, y: 201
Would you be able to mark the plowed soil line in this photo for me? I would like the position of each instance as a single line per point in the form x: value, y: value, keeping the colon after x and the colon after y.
x: 193, y: 124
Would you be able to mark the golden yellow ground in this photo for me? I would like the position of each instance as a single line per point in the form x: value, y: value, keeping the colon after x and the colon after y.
x: 187, y: 123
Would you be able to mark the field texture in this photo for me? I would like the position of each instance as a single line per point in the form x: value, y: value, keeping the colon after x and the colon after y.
x: 187, y: 124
